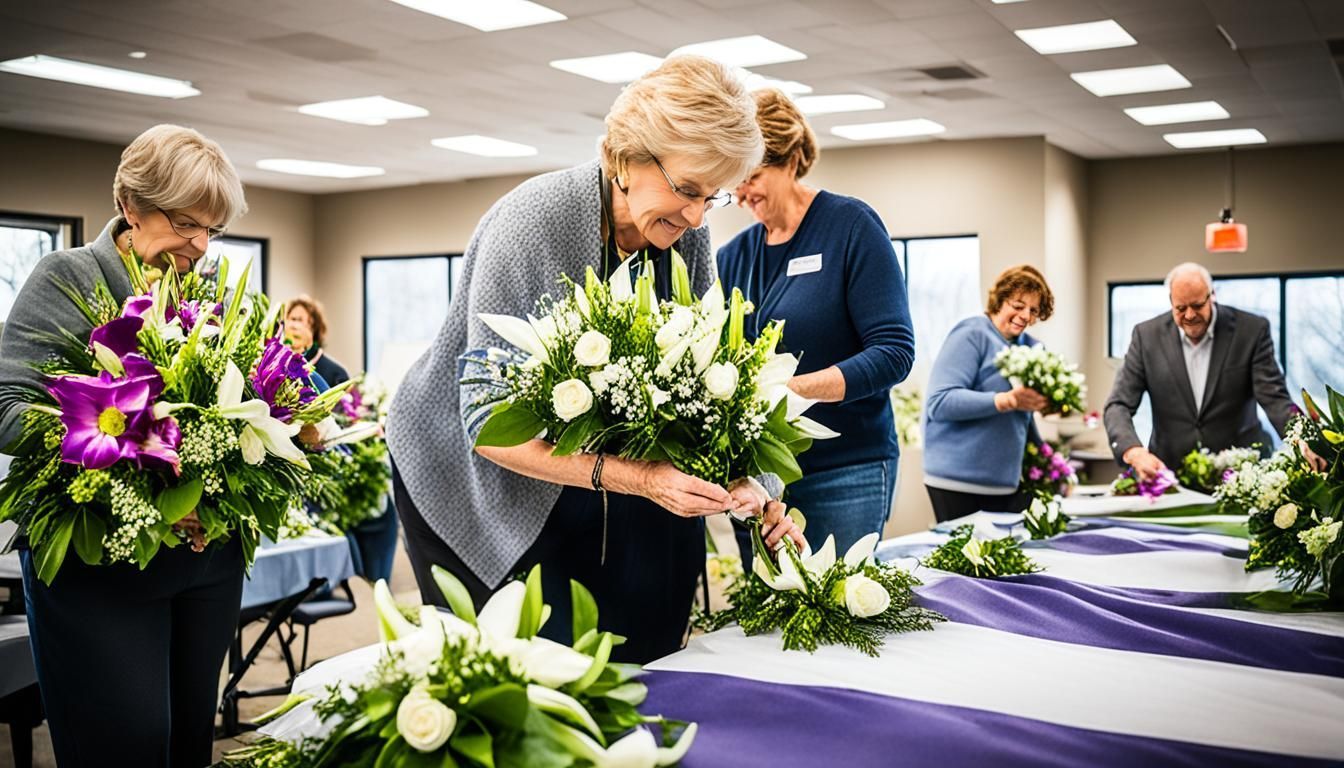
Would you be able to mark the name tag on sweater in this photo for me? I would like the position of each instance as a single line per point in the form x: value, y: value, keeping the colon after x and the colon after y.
x: 804, y: 265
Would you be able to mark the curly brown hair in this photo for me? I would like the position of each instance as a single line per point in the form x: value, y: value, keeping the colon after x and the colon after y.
x: 1022, y: 278
x: 317, y: 318
x: 786, y: 132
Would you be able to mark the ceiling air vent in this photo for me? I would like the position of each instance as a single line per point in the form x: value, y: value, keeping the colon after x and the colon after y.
x: 952, y: 72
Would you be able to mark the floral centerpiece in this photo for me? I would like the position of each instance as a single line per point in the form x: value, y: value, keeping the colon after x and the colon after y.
x: 818, y: 600
x: 182, y: 406
x: 981, y: 551
x: 608, y: 367
x: 1046, y: 472
x: 1046, y: 372
x: 1130, y: 484
x: 1045, y: 518
x: 462, y: 689
x: 351, y: 482
x: 1204, y: 470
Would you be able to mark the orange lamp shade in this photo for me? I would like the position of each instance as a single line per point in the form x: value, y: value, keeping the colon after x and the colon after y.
x: 1225, y: 237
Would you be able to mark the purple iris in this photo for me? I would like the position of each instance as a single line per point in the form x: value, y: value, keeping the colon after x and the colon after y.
x: 137, y: 306
x: 352, y: 403
x: 191, y: 313
x: 281, y: 379
x: 105, y: 419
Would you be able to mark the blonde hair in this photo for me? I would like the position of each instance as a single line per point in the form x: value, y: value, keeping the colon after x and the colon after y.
x: 689, y: 106
x: 1022, y: 278
x: 172, y: 168
x: 785, y: 131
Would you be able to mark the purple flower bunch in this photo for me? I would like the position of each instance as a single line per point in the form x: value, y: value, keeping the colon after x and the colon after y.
x: 1129, y: 484
x: 1046, y: 470
x: 281, y: 379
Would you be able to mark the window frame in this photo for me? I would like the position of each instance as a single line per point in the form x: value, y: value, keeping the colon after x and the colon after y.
x: 1281, y: 345
x: 905, y: 249
x: 265, y: 243
x: 454, y: 260
x: 47, y: 221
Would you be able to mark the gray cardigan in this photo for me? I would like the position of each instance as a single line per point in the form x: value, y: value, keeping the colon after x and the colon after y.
x: 547, y: 227
x: 42, y: 307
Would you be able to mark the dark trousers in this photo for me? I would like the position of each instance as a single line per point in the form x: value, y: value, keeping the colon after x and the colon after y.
x: 950, y: 505
x: 374, y: 544
x: 129, y: 661
x: 644, y: 590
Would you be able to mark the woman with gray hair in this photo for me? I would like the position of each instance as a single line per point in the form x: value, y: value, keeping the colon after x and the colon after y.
x: 674, y: 138
x: 127, y: 659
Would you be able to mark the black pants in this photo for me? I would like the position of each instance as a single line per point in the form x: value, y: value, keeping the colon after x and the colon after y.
x: 644, y: 589
x: 129, y: 661
x: 949, y: 505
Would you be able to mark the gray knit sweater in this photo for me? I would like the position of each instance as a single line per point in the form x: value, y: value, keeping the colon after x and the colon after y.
x: 42, y: 307
x: 547, y: 227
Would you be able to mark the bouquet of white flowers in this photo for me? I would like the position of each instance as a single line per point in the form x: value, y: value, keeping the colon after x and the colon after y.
x: 608, y: 367
x: 818, y: 600
x: 981, y: 551
x: 1045, y: 518
x: 1204, y: 470
x: 462, y: 689
x: 1046, y: 372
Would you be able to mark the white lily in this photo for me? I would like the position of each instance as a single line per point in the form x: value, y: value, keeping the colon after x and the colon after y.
x: 500, y: 616
x: 636, y: 749
x: 553, y: 701
x: 355, y: 433
x: 581, y: 299
x: 518, y: 332
x: 621, y: 289
x: 550, y: 663
x: 862, y: 550
x: 262, y: 432
x: 788, y: 579
x: 817, y: 564
x: 392, y: 625
x: 773, y: 379
x: 422, y: 648
x: 703, y: 349
x: 973, y: 551
x: 814, y: 429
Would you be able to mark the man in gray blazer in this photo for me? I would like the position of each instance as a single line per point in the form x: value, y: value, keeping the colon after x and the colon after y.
x: 1204, y: 367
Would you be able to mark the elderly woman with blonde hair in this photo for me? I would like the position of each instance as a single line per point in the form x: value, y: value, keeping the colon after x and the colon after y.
x: 823, y: 263
x: 674, y: 138
x: 128, y: 660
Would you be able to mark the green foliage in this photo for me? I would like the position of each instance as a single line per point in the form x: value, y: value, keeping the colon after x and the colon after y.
x: 997, y: 557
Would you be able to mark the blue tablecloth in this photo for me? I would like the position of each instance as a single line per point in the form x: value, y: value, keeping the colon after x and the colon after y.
x: 286, y: 568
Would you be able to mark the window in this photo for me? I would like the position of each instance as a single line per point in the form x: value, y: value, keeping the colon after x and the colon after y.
x: 239, y: 252
x: 942, y: 279
x: 1305, y: 313
x: 25, y: 238
x: 405, y: 302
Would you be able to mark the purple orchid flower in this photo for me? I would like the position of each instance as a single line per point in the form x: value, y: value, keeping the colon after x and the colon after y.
x: 160, y: 446
x: 1158, y: 485
x: 352, y: 403
x: 118, y: 335
x: 278, y: 367
x: 105, y: 419
x: 137, y: 306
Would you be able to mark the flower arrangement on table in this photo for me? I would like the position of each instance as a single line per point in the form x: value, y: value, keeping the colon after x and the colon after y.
x: 1204, y: 470
x: 1130, y: 484
x: 1046, y: 472
x: 462, y: 689
x: 351, y: 482
x: 981, y: 551
x: 607, y: 367
x: 1047, y: 372
x: 1044, y: 518
x: 818, y: 600
x: 174, y: 420
x: 1295, y: 513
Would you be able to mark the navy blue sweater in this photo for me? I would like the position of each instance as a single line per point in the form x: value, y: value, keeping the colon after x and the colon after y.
x: 838, y: 286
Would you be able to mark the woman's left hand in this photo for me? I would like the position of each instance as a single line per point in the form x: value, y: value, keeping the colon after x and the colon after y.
x: 776, y: 524
x: 749, y: 498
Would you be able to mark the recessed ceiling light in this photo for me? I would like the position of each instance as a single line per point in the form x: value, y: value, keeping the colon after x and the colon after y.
x: 1071, y: 38
x: 487, y: 16
x: 749, y: 51
x: 895, y: 129
x: 484, y: 146
x: 1117, y: 82
x: 1189, y: 112
x: 366, y: 110
x: 96, y: 76
x: 622, y: 67
x: 1004, y: 2
x: 318, y: 168
x: 137, y: 54
x: 1197, y: 139
x: 838, y: 102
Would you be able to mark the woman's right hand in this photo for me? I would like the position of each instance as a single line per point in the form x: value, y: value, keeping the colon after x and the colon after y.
x: 671, y: 489
x: 1020, y: 399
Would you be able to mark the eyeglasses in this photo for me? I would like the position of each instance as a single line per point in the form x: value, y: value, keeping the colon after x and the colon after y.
x: 1198, y: 306
x: 193, y: 230
x: 716, y: 200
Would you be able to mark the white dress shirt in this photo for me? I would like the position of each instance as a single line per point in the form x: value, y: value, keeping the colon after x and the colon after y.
x: 1198, y: 355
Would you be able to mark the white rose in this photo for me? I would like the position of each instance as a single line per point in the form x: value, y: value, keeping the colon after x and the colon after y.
x: 1286, y: 516
x: 865, y: 597
x: 676, y: 326
x: 571, y: 399
x: 721, y: 380
x: 424, y: 722
x: 593, y: 349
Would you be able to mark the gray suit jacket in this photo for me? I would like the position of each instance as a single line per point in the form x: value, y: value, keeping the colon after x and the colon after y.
x: 1242, y: 372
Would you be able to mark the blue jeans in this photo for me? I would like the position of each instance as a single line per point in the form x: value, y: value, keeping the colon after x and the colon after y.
x: 846, y: 502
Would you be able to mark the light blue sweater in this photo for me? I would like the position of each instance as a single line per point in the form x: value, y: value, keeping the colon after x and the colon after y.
x: 967, y: 442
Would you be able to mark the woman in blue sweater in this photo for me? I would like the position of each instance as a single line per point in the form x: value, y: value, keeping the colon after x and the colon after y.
x: 823, y: 263
x: 976, y: 425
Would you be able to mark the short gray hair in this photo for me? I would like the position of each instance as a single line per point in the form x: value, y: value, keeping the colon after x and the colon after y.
x: 1187, y: 268
x: 171, y: 168
x: 690, y: 106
